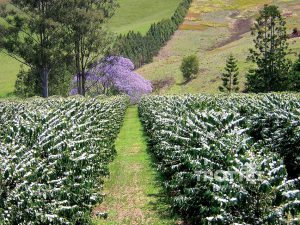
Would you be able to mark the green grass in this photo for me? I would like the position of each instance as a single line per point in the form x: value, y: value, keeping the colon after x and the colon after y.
x: 138, y: 15
x: 213, y: 17
x: 134, y: 194
x: 8, y: 72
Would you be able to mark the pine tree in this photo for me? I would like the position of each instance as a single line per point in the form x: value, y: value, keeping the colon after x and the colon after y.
x: 271, y: 49
x: 230, y: 76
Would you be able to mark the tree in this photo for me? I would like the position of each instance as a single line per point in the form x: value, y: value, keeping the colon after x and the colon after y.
x: 294, y: 76
x: 230, y: 76
x: 115, y: 75
x: 190, y: 67
x: 270, y: 52
x: 31, y: 36
x: 90, y: 40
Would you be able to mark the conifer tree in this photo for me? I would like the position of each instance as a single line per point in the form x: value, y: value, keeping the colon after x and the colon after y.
x: 269, y: 54
x: 230, y: 76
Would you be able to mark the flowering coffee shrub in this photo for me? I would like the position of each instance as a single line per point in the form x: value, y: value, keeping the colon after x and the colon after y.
x: 53, y: 156
x: 215, y: 171
x: 115, y: 75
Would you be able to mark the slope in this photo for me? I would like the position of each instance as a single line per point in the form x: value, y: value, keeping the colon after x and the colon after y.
x: 212, y: 30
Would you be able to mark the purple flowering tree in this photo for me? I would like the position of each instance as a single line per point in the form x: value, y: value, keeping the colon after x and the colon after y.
x: 115, y: 75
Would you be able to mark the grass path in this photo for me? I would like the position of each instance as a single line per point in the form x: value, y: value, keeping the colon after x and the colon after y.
x: 133, y: 191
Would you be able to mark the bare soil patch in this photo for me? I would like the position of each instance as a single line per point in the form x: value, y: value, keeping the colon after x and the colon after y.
x: 163, y: 83
x: 238, y: 28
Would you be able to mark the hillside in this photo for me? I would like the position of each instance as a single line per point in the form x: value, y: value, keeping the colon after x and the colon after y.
x: 213, y: 29
x: 136, y: 15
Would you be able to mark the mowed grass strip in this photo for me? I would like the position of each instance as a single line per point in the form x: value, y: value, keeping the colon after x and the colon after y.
x: 138, y: 15
x: 134, y: 194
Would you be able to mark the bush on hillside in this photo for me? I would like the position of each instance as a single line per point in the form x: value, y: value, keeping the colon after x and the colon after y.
x: 190, y: 67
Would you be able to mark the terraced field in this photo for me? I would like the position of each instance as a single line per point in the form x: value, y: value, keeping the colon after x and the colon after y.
x: 213, y: 29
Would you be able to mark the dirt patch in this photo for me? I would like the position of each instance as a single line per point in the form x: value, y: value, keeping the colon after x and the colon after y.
x: 238, y: 28
x: 163, y: 83
x: 295, y: 33
x: 287, y: 13
x: 192, y: 26
x: 192, y: 16
x: 134, y: 150
x: 295, y: 7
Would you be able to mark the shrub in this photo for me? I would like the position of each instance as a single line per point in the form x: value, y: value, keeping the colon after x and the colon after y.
x: 190, y: 67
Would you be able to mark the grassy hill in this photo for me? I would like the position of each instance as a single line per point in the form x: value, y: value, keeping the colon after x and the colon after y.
x: 213, y: 29
x: 138, y: 15
x: 135, y: 15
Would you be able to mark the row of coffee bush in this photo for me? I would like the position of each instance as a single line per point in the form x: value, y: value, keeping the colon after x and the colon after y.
x: 54, y: 154
x: 218, y: 157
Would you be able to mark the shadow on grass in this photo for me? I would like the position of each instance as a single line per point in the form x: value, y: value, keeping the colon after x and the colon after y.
x: 186, y: 82
x: 162, y: 203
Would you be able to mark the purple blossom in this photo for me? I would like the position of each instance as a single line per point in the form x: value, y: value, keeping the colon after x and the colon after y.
x: 115, y: 75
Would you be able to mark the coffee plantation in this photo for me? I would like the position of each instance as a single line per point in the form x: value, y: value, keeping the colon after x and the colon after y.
x: 224, y: 158
x: 54, y: 154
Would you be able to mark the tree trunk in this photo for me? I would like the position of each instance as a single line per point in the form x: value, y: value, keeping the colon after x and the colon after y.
x: 45, y: 81
x: 78, y: 67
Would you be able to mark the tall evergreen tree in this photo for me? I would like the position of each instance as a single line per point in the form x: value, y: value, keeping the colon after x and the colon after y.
x: 230, y: 76
x: 90, y: 40
x: 270, y: 52
x: 31, y: 36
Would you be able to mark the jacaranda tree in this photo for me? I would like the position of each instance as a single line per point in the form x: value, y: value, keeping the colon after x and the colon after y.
x: 115, y: 75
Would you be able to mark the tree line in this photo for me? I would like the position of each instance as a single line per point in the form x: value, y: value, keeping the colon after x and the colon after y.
x: 142, y: 48
x: 54, y: 39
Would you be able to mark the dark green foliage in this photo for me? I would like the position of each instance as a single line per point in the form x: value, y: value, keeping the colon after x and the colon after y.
x: 270, y: 52
x: 190, y: 67
x: 26, y: 83
x: 230, y: 76
x: 294, y: 77
x: 141, y: 48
